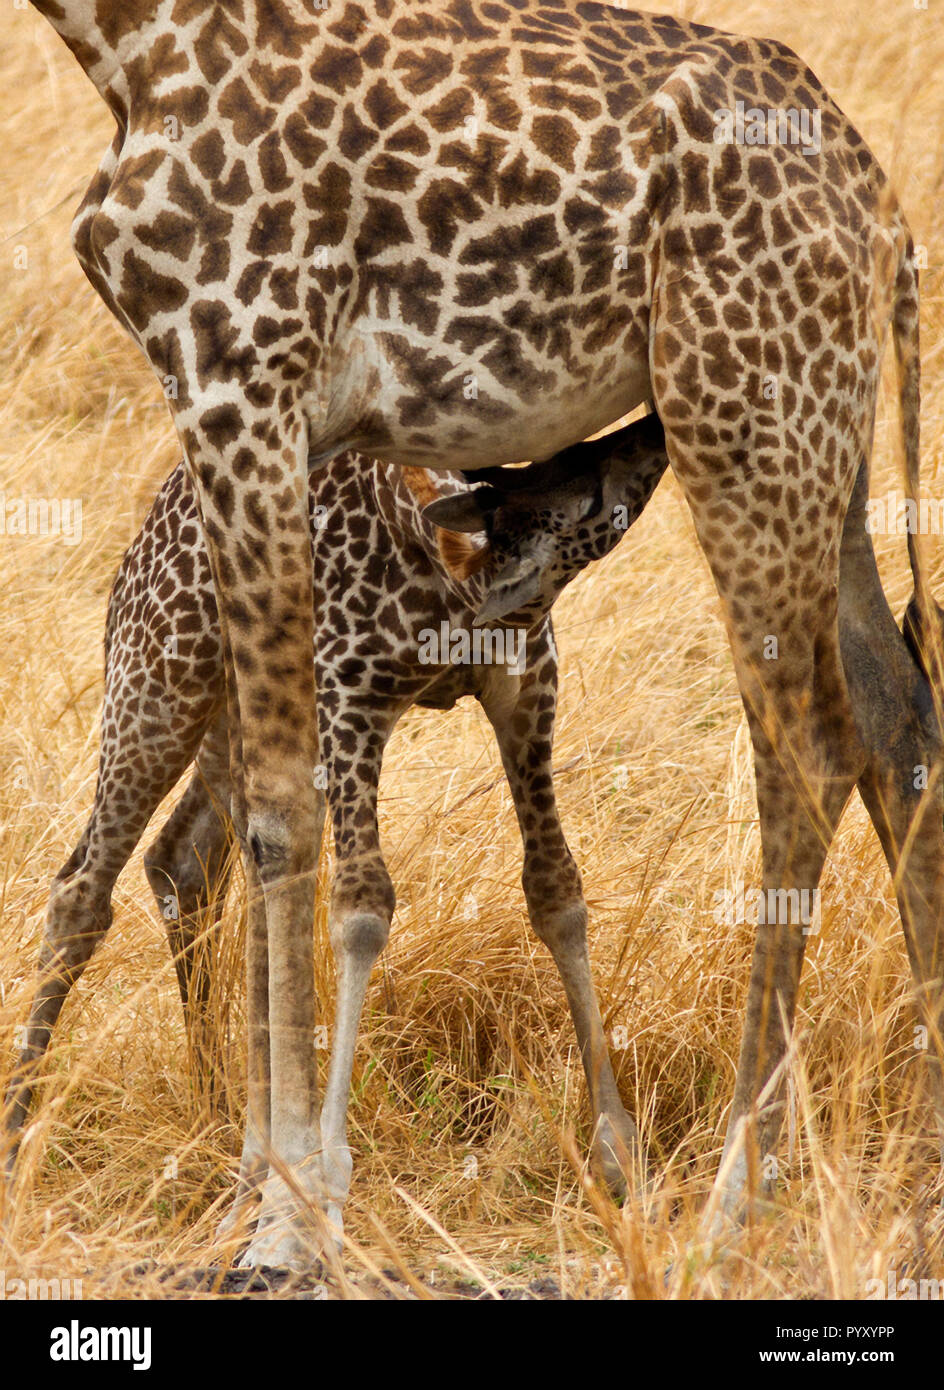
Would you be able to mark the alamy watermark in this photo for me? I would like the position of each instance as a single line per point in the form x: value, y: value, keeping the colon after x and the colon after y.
x: 907, y: 1290
x: 483, y: 646
x: 768, y: 907
x: 897, y: 515
x: 14, y: 1290
x: 82, y: 1343
x: 755, y: 125
x: 41, y: 516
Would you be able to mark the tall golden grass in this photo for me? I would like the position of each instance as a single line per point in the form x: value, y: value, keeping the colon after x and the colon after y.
x: 467, y: 1048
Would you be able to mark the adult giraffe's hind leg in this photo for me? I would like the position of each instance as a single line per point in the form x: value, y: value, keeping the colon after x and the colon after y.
x: 556, y: 905
x: 800, y: 798
x: 774, y: 554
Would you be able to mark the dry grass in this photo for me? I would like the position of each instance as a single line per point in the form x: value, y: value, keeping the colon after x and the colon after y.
x: 467, y: 1047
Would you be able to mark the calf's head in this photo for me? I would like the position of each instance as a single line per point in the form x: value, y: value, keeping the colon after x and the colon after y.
x: 548, y: 521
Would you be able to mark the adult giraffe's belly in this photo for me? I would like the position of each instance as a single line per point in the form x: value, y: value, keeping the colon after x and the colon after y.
x: 407, y: 400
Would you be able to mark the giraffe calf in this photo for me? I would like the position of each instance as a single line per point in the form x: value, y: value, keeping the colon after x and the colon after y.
x: 392, y: 562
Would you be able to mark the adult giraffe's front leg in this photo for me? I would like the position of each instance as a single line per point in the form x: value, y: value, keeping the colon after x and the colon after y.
x: 259, y: 543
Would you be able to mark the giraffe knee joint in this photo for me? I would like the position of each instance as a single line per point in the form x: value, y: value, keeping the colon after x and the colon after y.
x: 77, y: 917
x: 178, y: 887
x: 562, y: 927
x: 270, y: 851
x: 362, y: 904
x: 363, y: 934
x: 281, y: 842
x: 160, y: 874
x: 65, y: 958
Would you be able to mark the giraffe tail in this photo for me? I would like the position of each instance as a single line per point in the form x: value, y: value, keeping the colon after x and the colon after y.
x: 923, y: 624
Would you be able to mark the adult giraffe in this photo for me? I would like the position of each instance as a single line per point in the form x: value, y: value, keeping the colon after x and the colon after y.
x: 467, y: 232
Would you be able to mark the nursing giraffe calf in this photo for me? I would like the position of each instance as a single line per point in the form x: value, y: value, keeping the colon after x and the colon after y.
x: 386, y: 575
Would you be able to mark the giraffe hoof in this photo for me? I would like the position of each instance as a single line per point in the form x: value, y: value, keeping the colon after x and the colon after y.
x: 240, y: 1220
x: 298, y: 1221
x: 735, y: 1206
x: 618, y: 1157
x: 281, y: 1249
x: 293, y: 1241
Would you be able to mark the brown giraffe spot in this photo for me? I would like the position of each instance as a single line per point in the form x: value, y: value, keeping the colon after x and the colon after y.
x: 582, y: 216
x: 383, y: 224
x: 762, y: 172
x: 552, y: 278
x: 783, y: 232
x: 810, y: 331
x: 443, y: 207
x: 330, y: 198
x: 474, y: 291
x: 168, y: 232
x: 336, y: 69
x: 247, y: 117
x: 556, y: 137
x: 165, y: 351
x: 722, y: 368
x: 451, y: 111
x: 373, y: 54
x: 275, y: 84
x: 532, y: 238
x: 606, y: 149
x: 708, y: 239
x: 267, y: 330
x: 355, y: 138
x: 413, y: 295
x: 218, y: 42
x: 410, y: 140
x: 390, y: 172
x: 144, y: 292
x: 283, y: 287
x: 209, y: 154
x: 252, y: 280
x: 278, y: 27
x: 210, y: 222
x: 219, y: 356
x: 485, y: 65
x: 303, y: 143
x: 130, y: 184
x: 114, y: 21
x: 554, y: 98
x: 222, y: 424
x: 749, y: 230
x: 272, y: 165
x: 235, y: 188
x: 383, y: 105
x: 423, y: 70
